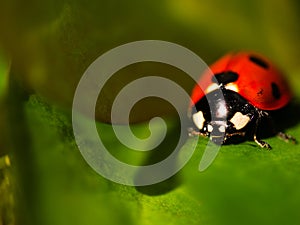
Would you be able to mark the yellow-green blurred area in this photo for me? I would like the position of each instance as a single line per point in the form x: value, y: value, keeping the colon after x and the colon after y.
x: 53, y: 42
x: 45, y: 47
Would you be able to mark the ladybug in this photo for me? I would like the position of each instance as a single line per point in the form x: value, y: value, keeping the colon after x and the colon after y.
x: 233, y: 101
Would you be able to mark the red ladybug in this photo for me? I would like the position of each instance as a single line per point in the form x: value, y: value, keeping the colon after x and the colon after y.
x: 235, y: 100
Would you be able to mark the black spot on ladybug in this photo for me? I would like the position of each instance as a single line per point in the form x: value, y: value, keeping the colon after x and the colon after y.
x: 225, y: 77
x: 275, y: 91
x: 258, y: 61
x: 261, y: 91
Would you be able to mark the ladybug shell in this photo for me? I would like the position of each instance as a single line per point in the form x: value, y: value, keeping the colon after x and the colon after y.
x: 258, y: 81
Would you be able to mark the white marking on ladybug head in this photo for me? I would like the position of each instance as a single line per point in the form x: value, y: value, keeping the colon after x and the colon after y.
x: 210, y: 128
x: 211, y: 88
x: 239, y: 120
x: 222, y: 129
x: 199, y: 119
x: 232, y: 87
x: 221, y: 109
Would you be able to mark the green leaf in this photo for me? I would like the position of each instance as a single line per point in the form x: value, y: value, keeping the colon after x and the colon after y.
x: 244, y: 185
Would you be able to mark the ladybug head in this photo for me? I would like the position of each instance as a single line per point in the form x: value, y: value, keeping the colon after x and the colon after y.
x: 223, y: 115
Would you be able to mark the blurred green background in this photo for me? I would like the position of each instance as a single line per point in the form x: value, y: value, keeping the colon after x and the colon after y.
x: 45, y: 46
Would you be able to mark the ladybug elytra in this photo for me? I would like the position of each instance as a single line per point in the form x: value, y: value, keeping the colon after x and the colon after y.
x: 235, y: 100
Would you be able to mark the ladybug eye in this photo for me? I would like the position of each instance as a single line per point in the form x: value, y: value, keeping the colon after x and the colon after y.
x: 258, y: 61
x: 210, y: 128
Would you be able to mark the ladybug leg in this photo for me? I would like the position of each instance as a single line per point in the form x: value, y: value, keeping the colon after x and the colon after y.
x: 261, y: 143
x: 283, y: 136
x: 286, y: 137
x: 192, y: 133
x: 235, y: 134
x: 257, y: 140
